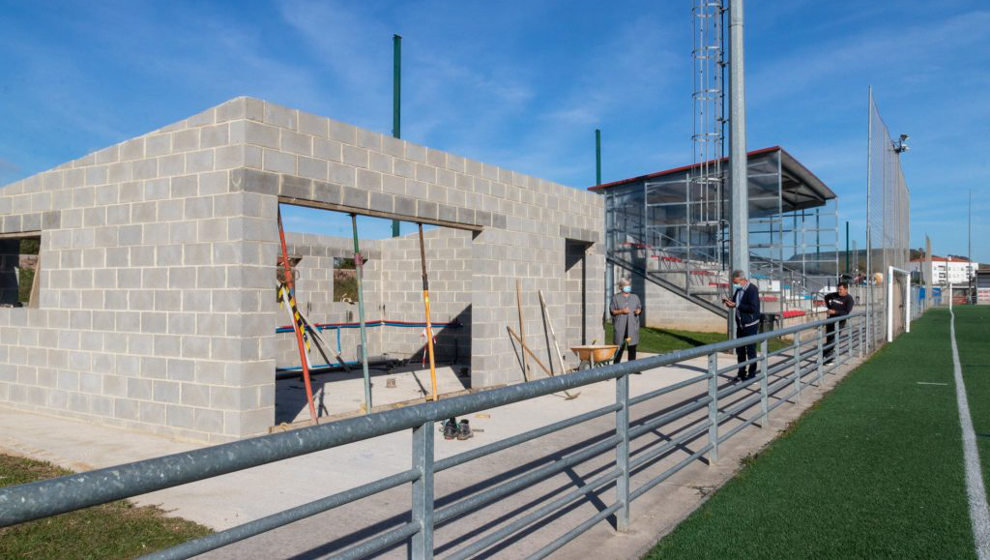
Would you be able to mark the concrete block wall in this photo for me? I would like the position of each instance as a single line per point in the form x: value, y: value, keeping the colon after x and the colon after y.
x: 520, y: 222
x: 449, y: 265
x: 151, y: 284
x: 315, y: 297
x: 158, y: 257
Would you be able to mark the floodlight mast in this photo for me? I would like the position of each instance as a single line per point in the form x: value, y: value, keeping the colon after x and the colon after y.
x: 737, y: 141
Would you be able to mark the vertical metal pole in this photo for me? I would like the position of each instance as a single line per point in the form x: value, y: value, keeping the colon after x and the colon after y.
x: 764, y: 385
x: 396, y: 101
x: 622, y: 452
x: 713, y: 407
x: 359, y: 265
x: 856, y: 340
x: 890, y: 304
x: 296, y: 327
x: 849, y: 342
x: 426, y: 304
x: 797, y: 365
x: 737, y: 140
x: 820, y: 359
x: 907, y: 305
x: 866, y: 337
x: 396, y: 86
x: 869, y: 240
x: 598, y: 156
x: 862, y: 338
x: 422, y: 491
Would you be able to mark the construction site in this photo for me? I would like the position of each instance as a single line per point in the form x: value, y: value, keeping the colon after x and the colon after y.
x: 157, y: 305
x: 215, y: 308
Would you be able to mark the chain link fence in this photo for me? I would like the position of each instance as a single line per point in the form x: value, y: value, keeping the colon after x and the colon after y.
x: 888, y: 211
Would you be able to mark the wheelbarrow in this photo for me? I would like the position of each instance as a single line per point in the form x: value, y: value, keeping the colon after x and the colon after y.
x: 593, y: 355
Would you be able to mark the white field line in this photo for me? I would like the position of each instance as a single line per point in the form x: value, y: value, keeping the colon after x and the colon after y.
x: 978, y: 511
x: 930, y: 383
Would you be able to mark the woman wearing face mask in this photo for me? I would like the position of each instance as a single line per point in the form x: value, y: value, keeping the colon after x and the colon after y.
x: 625, y: 309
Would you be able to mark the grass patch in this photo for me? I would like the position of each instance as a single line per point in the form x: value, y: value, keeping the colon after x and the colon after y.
x: 875, y: 471
x: 115, y: 530
x: 972, y: 334
x: 662, y: 341
x: 24, y: 283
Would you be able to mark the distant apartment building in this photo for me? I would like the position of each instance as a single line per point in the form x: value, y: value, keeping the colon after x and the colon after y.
x: 953, y: 270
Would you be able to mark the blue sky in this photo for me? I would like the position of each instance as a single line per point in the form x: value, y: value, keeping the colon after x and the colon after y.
x: 524, y: 84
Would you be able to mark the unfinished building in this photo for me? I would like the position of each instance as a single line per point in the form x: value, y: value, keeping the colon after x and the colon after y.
x: 154, y: 303
x: 669, y: 232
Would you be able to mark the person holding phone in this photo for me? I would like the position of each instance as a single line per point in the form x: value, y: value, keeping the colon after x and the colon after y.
x: 745, y: 303
x: 625, y: 308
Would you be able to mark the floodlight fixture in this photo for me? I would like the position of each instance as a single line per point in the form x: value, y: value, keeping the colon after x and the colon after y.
x: 900, y: 145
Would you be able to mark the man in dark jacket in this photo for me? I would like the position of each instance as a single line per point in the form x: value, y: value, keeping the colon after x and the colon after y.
x: 837, y: 304
x: 746, y: 303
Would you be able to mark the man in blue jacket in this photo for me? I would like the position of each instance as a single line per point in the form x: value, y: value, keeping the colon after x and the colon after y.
x: 746, y: 303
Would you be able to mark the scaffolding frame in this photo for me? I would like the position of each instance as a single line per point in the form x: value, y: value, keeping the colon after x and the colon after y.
x: 654, y: 224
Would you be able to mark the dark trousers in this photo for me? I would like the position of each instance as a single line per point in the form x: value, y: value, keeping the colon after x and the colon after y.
x: 632, y: 349
x: 747, y: 352
x: 632, y: 353
x: 830, y: 338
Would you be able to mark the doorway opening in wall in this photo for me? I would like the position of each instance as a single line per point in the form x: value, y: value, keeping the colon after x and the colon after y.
x: 329, y: 286
x: 20, y: 269
x: 576, y: 273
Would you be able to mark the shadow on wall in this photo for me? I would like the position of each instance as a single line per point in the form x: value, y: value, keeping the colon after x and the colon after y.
x: 335, y: 391
x: 452, y: 345
x: 9, y: 255
x: 639, y: 288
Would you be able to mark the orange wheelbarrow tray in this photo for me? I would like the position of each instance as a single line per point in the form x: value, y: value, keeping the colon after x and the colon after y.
x: 592, y: 355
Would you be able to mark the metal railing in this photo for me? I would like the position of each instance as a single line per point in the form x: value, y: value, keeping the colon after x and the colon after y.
x: 783, y: 375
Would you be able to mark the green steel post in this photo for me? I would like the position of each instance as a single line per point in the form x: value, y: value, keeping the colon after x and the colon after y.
x: 359, y: 265
x: 396, y: 100
x: 598, y: 156
x: 396, y: 85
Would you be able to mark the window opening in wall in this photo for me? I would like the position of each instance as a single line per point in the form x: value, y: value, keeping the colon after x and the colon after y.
x: 344, y: 279
x: 20, y: 270
x: 325, y: 274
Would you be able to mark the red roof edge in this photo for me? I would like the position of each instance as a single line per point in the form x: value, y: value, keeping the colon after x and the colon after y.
x: 678, y: 169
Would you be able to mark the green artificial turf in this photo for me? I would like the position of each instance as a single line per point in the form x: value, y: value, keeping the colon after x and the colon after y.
x: 110, y: 531
x: 973, y: 341
x: 661, y: 341
x: 873, y: 471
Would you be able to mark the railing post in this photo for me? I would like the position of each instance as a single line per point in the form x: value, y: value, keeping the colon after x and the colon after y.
x: 849, y: 341
x: 713, y: 407
x: 622, y: 452
x: 862, y: 340
x: 764, y: 385
x: 820, y: 358
x: 866, y: 340
x: 797, y: 365
x: 422, y: 491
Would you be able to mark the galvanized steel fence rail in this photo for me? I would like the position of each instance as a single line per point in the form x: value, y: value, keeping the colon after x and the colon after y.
x: 783, y: 375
